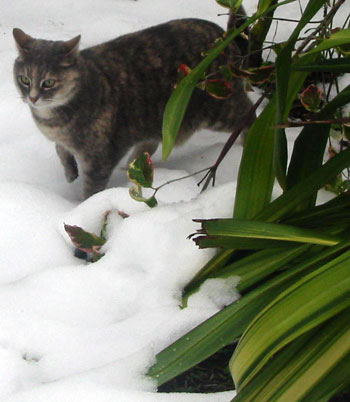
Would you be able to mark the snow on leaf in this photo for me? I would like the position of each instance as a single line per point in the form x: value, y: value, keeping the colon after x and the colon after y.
x: 103, y: 234
x: 83, y: 240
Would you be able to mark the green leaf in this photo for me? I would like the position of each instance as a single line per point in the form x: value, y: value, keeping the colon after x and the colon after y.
x: 335, y: 381
x: 209, y: 270
x: 251, y: 391
x: 338, y: 38
x: 239, y: 233
x: 330, y: 346
x: 280, y: 208
x: 83, y: 240
x: 282, y: 205
x: 309, y: 149
x: 341, y: 65
x: 256, y: 174
x: 259, y: 31
x: 178, y: 102
x: 232, y: 4
x: 227, y: 325
x: 151, y: 202
x: 303, y: 366
x: 284, y: 89
x: 251, y: 269
x: 141, y: 170
x: 218, y: 88
x: 309, y: 302
x: 136, y: 194
x: 311, y: 98
x: 103, y: 234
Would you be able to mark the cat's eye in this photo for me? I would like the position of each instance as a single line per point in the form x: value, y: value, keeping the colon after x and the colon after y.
x: 49, y: 83
x: 23, y: 79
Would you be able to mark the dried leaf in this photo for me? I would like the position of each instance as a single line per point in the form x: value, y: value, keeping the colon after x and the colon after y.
x: 123, y: 214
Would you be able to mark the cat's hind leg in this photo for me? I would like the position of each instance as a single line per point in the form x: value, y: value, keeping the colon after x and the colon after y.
x: 69, y: 163
x: 96, y: 173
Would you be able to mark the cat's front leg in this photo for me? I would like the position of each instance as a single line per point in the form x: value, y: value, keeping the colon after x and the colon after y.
x: 69, y: 163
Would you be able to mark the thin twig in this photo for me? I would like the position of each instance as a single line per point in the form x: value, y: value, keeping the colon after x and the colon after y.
x: 210, y: 175
x: 343, y: 120
x: 156, y: 189
x: 323, y: 24
x: 277, y: 18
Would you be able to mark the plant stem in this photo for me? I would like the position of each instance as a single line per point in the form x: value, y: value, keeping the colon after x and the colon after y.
x: 210, y: 176
x: 156, y: 189
x: 322, y: 25
x: 343, y: 120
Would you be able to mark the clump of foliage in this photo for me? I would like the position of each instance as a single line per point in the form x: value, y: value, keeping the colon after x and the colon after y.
x: 292, y: 257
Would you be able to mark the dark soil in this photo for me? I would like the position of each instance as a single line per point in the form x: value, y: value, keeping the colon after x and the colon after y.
x: 213, y: 375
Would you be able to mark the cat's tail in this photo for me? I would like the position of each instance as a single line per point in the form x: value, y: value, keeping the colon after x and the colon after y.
x: 235, y: 21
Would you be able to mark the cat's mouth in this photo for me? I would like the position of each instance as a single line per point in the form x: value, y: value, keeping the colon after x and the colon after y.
x: 40, y: 104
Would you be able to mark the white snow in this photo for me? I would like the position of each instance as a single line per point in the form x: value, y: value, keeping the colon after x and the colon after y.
x: 72, y: 331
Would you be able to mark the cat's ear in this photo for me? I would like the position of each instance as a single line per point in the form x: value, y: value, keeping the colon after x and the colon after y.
x: 71, y: 50
x: 23, y: 41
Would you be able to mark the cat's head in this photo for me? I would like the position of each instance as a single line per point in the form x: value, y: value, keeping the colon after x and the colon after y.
x: 46, y: 72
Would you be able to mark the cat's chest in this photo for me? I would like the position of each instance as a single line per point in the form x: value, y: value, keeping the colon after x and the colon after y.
x: 52, y: 126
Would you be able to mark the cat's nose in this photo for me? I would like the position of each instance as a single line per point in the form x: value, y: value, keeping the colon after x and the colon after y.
x: 33, y: 98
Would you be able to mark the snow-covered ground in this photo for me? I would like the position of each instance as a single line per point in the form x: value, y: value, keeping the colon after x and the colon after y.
x: 78, y: 332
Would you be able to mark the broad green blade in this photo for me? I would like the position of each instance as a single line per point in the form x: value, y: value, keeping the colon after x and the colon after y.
x: 253, y: 268
x: 336, y: 380
x: 308, y: 303
x: 252, y: 391
x: 332, y: 213
x: 210, y: 269
x: 265, y: 151
x: 282, y: 205
x: 227, y: 325
x: 258, y: 33
x: 310, y: 146
x: 330, y: 346
x: 332, y: 65
x: 288, y: 88
x: 206, y: 339
x: 237, y: 231
x: 256, y: 174
x: 303, y: 365
x: 257, y: 266
x: 339, y: 38
x: 241, y: 243
x: 178, y: 101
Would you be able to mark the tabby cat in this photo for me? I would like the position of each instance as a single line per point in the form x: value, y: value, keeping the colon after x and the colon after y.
x: 97, y: 103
